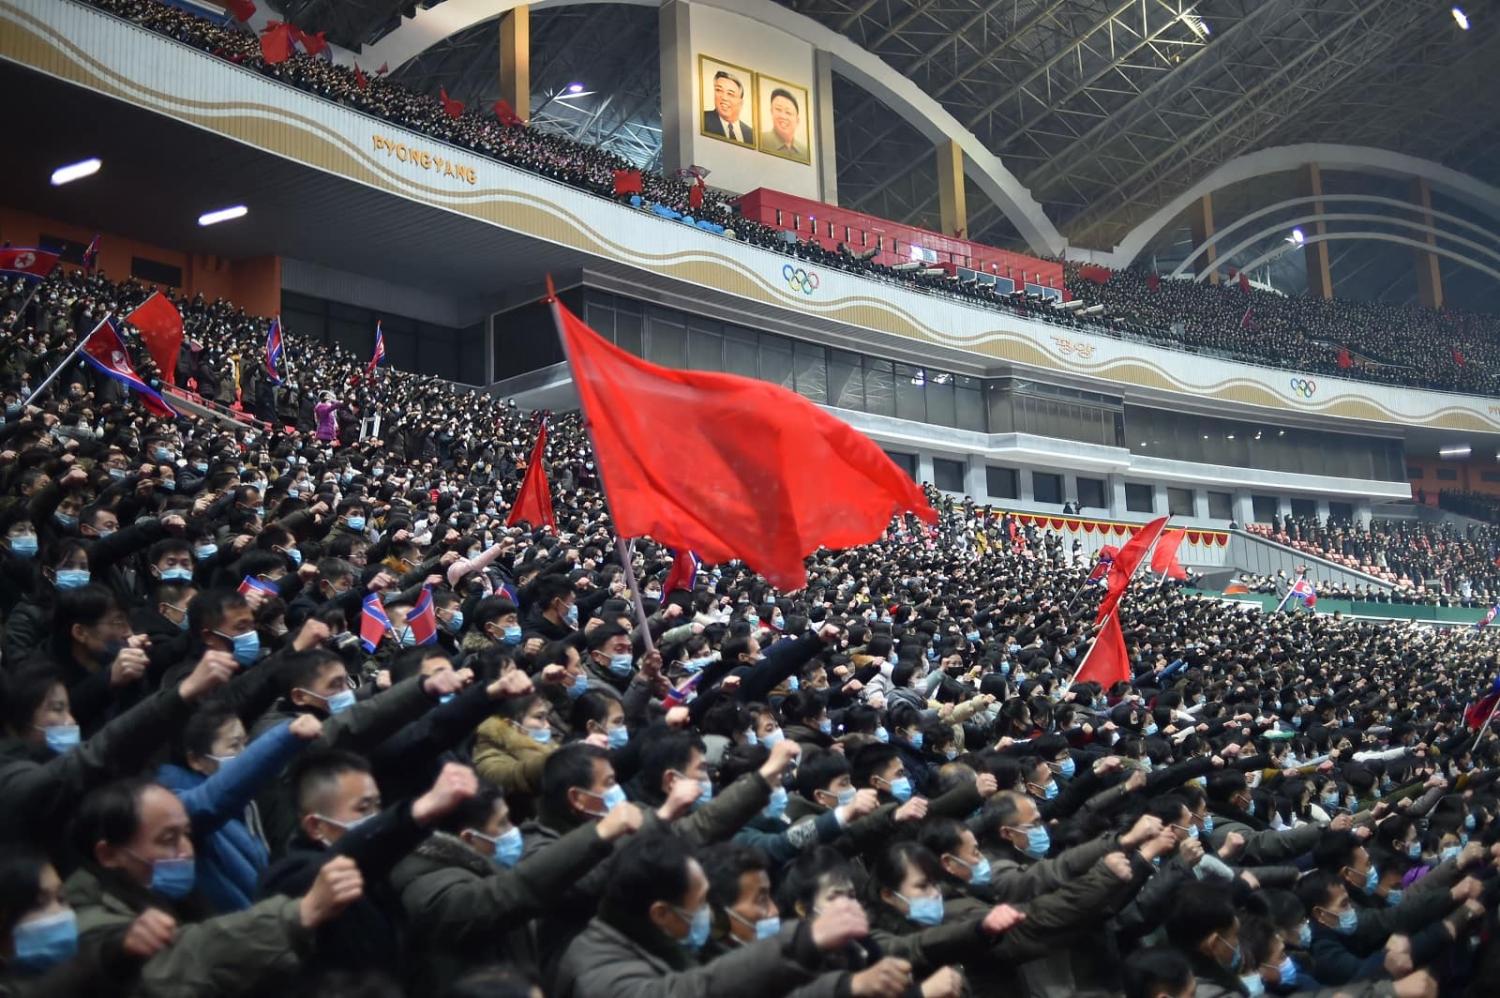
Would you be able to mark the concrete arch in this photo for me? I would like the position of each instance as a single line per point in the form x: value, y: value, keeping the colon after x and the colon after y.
x: 432, y: 25
x: 1280, y: 159
x: 1384, y: 237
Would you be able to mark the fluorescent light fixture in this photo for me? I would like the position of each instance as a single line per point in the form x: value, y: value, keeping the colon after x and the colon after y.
x: 75, y: 171
x: 1454, y: 452
x: 223, y: 215
x: 1461, y: 18
x: 1296, y: 238
x: 575, y: 88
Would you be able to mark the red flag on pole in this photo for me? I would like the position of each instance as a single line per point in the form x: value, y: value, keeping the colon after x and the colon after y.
x: 628, y: 182
x: 1458, y: 357
x: 1345, y: 361
x: 683, y: 574
x: 1244, y: 282
x: 312, y: 42
x: 507, y: 114
x: 747, y: 470
x: 242, y: 10
x: 385, y: 67
x: 1245, y: 319
x: 453, y: 108
x: 160, y: 326
x: 534, y: 500
x: 1164, y: 558
x: 1123, y: 567
x: 277, y: 42
x: 360, y: 80
x: 695, y: 194
x: 1107, y: 662
x: 1153, y: 281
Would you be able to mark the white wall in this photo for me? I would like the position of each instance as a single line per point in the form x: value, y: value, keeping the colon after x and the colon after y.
x: 691, y: 30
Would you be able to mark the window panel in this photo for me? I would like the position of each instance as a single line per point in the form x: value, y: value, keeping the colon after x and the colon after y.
x: 811, y: 370
x: 666, y: 338
x: 1047, y: 487
x: 1179, y: 501
x: 1001, y: 483
x: 1221, y: 505
x: 1091, y: 493
x: 705, y: 349
x: 947, y: 474
x: 1140, y: 498
x: 911, y: 393
x: 741, y: 352
x: 776, y: 360
x: 880, y: 387
x: 846, y: 386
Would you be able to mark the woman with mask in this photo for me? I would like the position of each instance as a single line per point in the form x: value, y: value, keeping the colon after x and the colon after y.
x: 63, y: 566
x: 512, y: 747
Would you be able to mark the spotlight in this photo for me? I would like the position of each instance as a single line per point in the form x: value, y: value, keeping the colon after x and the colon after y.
x: 75, y: 171
x: 1454, y: 452
x: 1461, y: 18
x: 575, y: 88
x: 1296, y: 238
x: 223, y: 215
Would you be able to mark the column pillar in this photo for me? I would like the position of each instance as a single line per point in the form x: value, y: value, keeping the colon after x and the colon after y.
x: 1322, y: 510
x: 952, y: 211
x: 975, y: 483
x: 678, y: 85
x: 1319, y: 273
x: 1116, y: 485
x: 1158, y: 499
x: 827, y: 154
x: 1023, y: 485
x: 1429, y: 272
x: 1362, y: 512
x: 924, y: 466
x: 515, y: 60
x: 1283, y: 506
x: 1200, y: 504
x: 1201, y: 219
x: 1244, y: 508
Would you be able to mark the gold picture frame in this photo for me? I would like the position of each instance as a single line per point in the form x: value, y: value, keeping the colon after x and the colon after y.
x: 714, y: 77
x: 786, y: 115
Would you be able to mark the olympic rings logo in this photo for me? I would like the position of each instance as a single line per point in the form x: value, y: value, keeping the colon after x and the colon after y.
x: 1306, y: 387
x: 805, y: 281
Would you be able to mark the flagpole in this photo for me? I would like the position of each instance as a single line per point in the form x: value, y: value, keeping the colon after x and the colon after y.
x: 1116, y: 609
x: 65, y: 362
x: 21, y: 312
x: 1288, y: 594
x: 1485, y: 727
x: 1078, y: 671
x: 626, y: 551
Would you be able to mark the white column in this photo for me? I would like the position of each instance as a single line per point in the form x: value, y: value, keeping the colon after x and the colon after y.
x: 1200, y: 504
x: 1283, y: 506
x: 1323, y: 510
x: 678, y: 85
x: 1023, y: 485
x: 1362, y: 512
x: 975, y: 483
x: 1244, y: 507
x: 828, y: 163
x: 924, y: 466
x: 1116, y: 497
x: 1158, y: 500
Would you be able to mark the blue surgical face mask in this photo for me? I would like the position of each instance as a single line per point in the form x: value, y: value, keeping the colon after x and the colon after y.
x: 793, y: 684
x: 618, y: 736
x: 1049, y: 790
x: 579, y: 686
x: 43, y: 943
x: 925, y: 910
x: 540, y: 735
x: 295, y: 555
x: 508, y: 847
x: 1067, y: 768
x: 825, y: 726
x: 901, y: 788
x: 513, y: 634
x: 1372, y: 879
x: 916, y: 739
x: 698, y: 926
x: 612, y: 797
x: 456, y: 622
x: 72, y: 578
x: 1208, y: 823
x: 339, y: 702
x: 246, y: 647
x: 173, y: 878
x: 1348, y: 921
x: 1304, y: 935
x: 1449, y: 852
x: 1469, y: 822
x: 979, y: 873
x: 177, y: 574
x: 61, y: 738
x: 1286, y: 972
x: 408, y: 638
x: 1394, y: 897
x: 846, y: 796
x: 768, y: 927
x: 882, y: 735
x: 203, y: 552
x: 572, y: 615
x: 1038, y: 842
x: 972, y: 636
x: 773, y: 738
x: 1252, y: 984
x: 1150, y: 728
x: 1414, y: 850
x: 23, y: 546
x: 65, y: 520
x: 705, y: 795
x: 1331, y: 801
x: 622, y: 664
x: 356, y: 523
x: 777, y: 807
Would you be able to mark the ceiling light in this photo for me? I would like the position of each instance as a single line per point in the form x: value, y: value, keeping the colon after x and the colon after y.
x: 1461, y: 18
x: 223, y: 215
x: 1455, y: 451
x: 1296, y: 238
x: 575, y: 88
x: 75, y: 171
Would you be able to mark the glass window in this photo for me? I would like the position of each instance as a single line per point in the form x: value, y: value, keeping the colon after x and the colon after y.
x: 1221, y: 505
x: 880, y: 387
x: 906, y: 462
x: 948, y: 475
x: 628, y: 328
x: 741, y: 352
x: 1000, y: 483
x: 846, y: 387
x: 810, y: 361
x: 941, y: 405
x: 1265, y: 508
x: 1140, y: 498
x: 1179, y: 501
x: 1307, y: 508
x: 1091, y: 493
x: 911, y: 393
x: 705, y: 347
x: 1447, y: 474
x: 968, y: 403
x: 1413, y: 472
x: 1489, y: 476
x: 776, y: 360
x: 1342, y: 511
x: 666, y: 338
x: 1047, y: 487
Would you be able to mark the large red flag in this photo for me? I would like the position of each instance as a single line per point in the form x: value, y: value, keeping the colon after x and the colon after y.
x: 160, y: 326
x: 534, y: 500
x: 452, y: 108
x: 1345, y: 361
x: 1107, y: 662
x: 360, y: 80
x: 242, y: 10
x: 507, y: 114
x: 1164, y: 558
x: 277, y: 42
x: 729, y: 467
x: 1124, y: 565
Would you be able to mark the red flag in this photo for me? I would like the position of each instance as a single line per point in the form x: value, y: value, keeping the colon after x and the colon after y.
x: 683, y: 574
x: 1345, y: 361
x: 1124, y: 565
x: 1245, y: 319
x: 1164, y: 558
x: 1094, y: 272
x: 507, y: 114
x: 421, y: 619
x: 1480, y: 710
x: 312, y: 43
x: 1244, y: 282
x: 277, y: 42
x: 1153, y: 281
x: 104, y: 350
x: 385, y: 67
x: 628, y: 182
x: 747, y: 471
x: 1107, y: 662
x: 1458, y: 357
x: 160, y: 326
x: 453, y: 108
x: 27, y: 262
x: 534, y: 500
x: 695, y: 194
x: 373, y: 623
x: 359, y: 78
x: 242, y: 10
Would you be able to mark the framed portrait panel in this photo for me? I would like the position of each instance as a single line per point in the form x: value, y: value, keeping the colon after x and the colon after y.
x: 725, y: 101
x: 785, y: 119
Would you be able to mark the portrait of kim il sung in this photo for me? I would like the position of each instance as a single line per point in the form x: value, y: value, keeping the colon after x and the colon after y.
x: 782, y: 110
x: 728, y: 113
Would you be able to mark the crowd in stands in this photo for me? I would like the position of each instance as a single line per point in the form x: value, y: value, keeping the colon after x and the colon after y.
x: 1381, y: 342
x: 1386, y: 342
x: 878, y: 785
x: 1442, y: 564
x: 1476, y: 505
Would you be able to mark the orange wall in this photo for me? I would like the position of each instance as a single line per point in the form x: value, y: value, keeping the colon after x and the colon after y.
x: 253, y: 283
x: 1469, y: 476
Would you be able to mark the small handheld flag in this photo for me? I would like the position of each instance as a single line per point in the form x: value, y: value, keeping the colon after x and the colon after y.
x: 1101, y: 567
x: 683, y: 573
x: 422, y: 619
x: 251, y: 584
x: 1477, y: 714
x: 1303, y: 591
x: 1487, y: 618
x: 273, y: 351
x: 27, y: 262
x: 373, y: 623
x: 378, y: 357
x: 91, y: 254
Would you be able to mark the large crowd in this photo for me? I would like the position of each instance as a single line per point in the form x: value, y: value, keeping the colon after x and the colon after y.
x: 1388, y: 343
x: 878, y: 785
